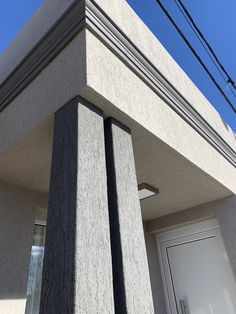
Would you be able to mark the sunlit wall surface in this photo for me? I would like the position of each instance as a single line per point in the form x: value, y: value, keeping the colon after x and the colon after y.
x: 35, y: 271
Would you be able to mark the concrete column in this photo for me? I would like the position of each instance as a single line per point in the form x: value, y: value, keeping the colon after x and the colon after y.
x: 77, y: 272
x: 131, y: 282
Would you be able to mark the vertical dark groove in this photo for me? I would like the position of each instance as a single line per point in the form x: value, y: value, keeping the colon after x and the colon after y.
x: 116, y: 248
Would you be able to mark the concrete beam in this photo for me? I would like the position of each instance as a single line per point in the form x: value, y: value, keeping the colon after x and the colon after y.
x: 77, y: 272
x: 132, y: 289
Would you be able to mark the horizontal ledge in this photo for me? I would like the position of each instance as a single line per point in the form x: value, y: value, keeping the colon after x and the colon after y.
x: 88, y: 14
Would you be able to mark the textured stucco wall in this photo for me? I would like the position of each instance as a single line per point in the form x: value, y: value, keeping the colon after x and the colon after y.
x: 126, y: 19
x: 155, y: 273
x: 77, y: 270
x: 17, y: 213
x: 88, y: 68
x: 135, y: 29
x: 131, y: 281
x: 112, y: 79
x: 59, y: 82
x: 224, y: 210
x: 122, y: 91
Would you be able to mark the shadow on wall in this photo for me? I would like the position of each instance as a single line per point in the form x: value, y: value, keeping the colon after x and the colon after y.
x: 17, y: 214
x: 223, y: 209
x: 155, y: 273
x: 226, y: 215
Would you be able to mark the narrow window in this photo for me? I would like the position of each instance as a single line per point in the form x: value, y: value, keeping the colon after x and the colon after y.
x: 35, y: 270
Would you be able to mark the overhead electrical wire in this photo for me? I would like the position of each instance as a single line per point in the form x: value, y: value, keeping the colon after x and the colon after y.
x: 195, y: 30
x: 230, y: 80
x: 196, y: 55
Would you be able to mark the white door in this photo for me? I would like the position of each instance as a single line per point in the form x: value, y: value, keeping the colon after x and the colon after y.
x: 197, y: 275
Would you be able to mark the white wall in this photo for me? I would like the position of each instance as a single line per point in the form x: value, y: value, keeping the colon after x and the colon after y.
x: 17, y: 214
x: 115, y: 85
x: 88, y: 68
x: 134, y: 28
x: 126, y: 19
x: 59, y: 82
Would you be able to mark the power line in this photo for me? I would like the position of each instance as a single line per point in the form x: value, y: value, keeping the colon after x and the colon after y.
x: 196, y: 55
x: 230, y: 80
x: 203, y: 45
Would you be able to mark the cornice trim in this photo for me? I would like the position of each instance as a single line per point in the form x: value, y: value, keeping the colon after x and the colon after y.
x: 50, y: 45
x: 104, y: 28
x: 88, y: 14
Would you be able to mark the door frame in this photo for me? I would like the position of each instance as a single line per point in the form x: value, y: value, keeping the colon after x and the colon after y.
x: 209, y: 227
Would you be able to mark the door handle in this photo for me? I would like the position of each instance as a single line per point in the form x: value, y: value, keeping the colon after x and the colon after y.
x: 183, y: 306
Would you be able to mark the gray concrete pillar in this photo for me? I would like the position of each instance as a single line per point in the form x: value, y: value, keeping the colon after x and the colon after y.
x: 77, y: 271
x: 131, y: 282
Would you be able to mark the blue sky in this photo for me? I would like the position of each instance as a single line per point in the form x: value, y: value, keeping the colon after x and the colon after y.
x: 216, y: 19
x: 14, y: 14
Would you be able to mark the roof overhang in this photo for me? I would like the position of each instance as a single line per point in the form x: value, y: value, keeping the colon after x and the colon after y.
x: 177, y: 146
x: 88, y: 14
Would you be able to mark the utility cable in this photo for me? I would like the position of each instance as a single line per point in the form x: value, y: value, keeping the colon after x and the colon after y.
x: 203, y: 45
x: 230, y: 80
x: 196, y: 55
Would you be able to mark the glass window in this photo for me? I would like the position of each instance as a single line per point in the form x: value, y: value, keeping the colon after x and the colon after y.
x: 35, y: 271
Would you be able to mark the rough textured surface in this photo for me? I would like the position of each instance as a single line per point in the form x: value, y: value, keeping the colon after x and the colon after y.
x: 155, y: 273
x: 126, y: 19
x: 132, y: 290
x: 134, y: 28
x: 119, y: 86
x: 181, y: 184
x: 17, y: 213
x: 125, y: 97
x: 77, y: 273
x: 28, y: 162
x: 58, y: 83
